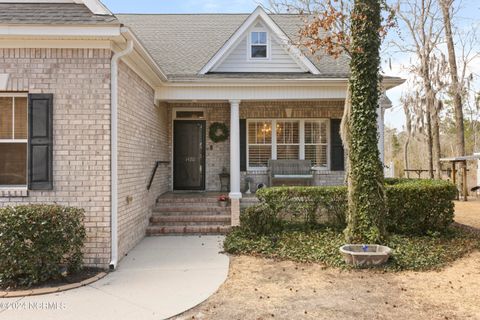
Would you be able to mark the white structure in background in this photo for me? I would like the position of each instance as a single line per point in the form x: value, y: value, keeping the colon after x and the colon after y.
x: 478, y: 170
x: 384, y: 104
x: 389, y: 171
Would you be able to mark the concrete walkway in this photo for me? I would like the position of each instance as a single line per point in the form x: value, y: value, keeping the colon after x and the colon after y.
x: 160, y: 278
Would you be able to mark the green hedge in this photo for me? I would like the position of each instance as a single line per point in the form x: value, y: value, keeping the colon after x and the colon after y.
x: 413, y: 206
x: 39, y: 242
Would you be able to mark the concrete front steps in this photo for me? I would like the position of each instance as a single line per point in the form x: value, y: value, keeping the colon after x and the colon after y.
x: 187, y: 214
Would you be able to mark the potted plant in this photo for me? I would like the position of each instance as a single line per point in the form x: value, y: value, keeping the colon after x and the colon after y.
x: 223, y: 200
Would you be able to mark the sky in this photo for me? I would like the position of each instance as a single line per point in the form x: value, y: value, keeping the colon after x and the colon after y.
x: 468, y: 17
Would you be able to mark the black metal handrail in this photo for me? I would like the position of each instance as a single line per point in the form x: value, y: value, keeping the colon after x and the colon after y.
x: 158, y: 163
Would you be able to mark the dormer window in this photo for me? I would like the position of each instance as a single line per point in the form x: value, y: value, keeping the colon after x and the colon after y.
x: 258, y: 45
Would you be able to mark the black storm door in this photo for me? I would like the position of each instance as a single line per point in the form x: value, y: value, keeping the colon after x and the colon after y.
x: 189, y: 155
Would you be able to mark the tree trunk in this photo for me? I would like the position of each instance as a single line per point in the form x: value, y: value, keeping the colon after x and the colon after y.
x: 366, y: 193
x: 430, y: 99
x: 405, y: 156
x: 436, y: 141
x: 456, y: 90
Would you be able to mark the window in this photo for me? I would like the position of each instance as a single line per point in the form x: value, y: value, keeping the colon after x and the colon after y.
x: 316, y: 143
x: 288, y: 139
x: 190, y: 115
x: 259, y: 143
x: 13, y: 141
x: 258, y: 45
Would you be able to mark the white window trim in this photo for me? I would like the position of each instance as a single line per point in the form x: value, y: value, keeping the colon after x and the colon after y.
x: 288, y: 144
x: 250, y: 44
x: 186, y: 109
x: 302, y: 140
x: 327, y: 144
x: 15, y: 95
x: 272, y: 143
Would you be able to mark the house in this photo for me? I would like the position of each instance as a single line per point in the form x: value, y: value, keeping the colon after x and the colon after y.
x: 108, y: 112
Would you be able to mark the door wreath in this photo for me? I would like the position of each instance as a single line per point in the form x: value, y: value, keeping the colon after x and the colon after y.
x: 218, y: 132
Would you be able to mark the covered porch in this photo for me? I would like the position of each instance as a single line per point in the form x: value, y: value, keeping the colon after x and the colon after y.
x: 266, y: 119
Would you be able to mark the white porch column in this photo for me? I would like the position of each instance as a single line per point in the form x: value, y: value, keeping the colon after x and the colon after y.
x: 381, y: 133
x: 235, y: 193
x: 384, y: 103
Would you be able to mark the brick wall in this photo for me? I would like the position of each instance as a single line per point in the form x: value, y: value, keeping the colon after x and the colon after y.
x: 218, y: 154
x: 142, y: 140
x: 79, y: 79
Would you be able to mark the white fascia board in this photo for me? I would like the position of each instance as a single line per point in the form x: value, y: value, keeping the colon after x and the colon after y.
x: 226, y: 93
x: 143, y: 53
x: 97, y: 7
x: 254, y: 82
x: 60, y: 30
x: 259, y: 13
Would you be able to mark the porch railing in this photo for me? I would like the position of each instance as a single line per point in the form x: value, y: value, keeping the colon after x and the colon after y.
x: 154, y: 171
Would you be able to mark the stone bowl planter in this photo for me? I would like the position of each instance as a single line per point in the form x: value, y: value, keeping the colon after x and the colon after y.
x: 360, y: 255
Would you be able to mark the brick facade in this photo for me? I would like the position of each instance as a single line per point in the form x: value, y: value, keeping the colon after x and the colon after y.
x: 142, y: 140
x: 79, y: 80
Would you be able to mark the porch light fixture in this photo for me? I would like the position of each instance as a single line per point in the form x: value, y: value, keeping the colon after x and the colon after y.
x: 288, y: 112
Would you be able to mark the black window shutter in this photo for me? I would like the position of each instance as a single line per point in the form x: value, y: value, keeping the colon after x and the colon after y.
x: 243, y: 145
x: 337, y: 154
x: 40, y: 141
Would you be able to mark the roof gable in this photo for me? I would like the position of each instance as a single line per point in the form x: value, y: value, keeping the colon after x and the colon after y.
x: 276, y: 34
x: 278, y: 60
x: 182, y: 44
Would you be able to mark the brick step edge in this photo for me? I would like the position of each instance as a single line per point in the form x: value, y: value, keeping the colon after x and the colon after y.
x: 191, y: 209
x: 188, y: 200
x: 157, y: 230
x: 189, y: 218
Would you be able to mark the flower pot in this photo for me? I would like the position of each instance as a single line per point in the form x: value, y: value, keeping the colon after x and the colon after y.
x: 223, y: 203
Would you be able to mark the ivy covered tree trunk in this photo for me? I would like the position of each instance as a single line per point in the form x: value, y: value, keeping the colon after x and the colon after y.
x: 366, y: 194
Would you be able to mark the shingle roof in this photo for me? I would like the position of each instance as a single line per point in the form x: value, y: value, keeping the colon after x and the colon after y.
x: 51, y: 13
x: 182, y: 44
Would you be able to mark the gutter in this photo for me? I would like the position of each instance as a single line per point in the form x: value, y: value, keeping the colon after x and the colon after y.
x: 114, y: 152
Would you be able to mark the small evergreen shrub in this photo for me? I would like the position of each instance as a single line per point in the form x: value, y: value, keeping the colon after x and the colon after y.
x: 260, y: 219
x: 39, y: 242
x: 413, y: 206
x: 420, y: 206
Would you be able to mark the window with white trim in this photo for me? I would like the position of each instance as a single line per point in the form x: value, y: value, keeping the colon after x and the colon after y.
x: 316, y: 143
x: 13, y: 141
x: 259, y: 143
x: 258, y: 45
x: 288, y: 139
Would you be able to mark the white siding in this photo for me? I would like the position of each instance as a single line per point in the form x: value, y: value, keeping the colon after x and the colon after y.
x: 237, y: 60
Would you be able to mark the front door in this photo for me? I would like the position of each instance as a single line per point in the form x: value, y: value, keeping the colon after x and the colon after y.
x: 189, y: 155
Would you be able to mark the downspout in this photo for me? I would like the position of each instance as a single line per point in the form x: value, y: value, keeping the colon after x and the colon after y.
x: 114, y: 152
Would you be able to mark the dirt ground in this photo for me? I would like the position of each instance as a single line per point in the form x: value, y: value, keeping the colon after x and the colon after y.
x: 468, y: 212
x: 265, y: 289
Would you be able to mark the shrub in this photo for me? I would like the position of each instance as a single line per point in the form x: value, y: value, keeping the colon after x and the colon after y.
x: 260, y: 219
x: 413, y: 206
x: 420, y: 206
x: 39, y: 242
x: 313, y: 205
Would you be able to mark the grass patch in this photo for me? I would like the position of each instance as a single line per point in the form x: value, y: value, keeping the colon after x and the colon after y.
x: 419, y: 253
